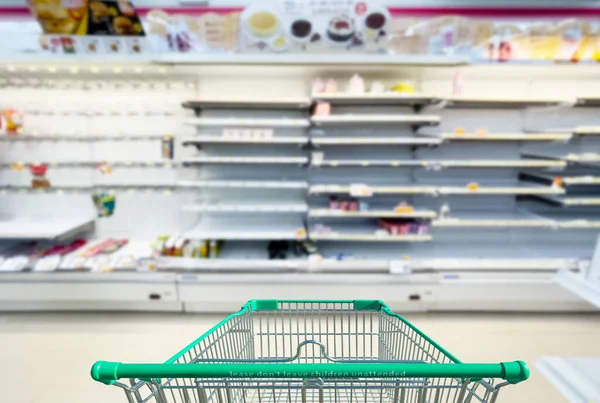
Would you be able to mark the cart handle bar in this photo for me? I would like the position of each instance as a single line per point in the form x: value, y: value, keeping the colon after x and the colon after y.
x: 109, y: 372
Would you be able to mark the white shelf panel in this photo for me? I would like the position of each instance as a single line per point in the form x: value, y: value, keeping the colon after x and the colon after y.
x: 580, y: 158
x: 191, y: 264
x: 43, y: 228
x: 367, y: 163
x: 374, y: 119
x: 443, y: 163
x: 246, y: 208
x: 249, y: 103
x: 372, y: 213
x: 506, y: 136
x: 575, y: 377
x: 375, y: 141
x: 493, y: 264
x: 241, y: 140
x: 245, y: 160
x: 343, y: 189
x: 503, y: 102
x: 309, y: 59
x: 575, y: 224
x: 248, y: 122
x: 572, y: 201
x: 581, y: 286
x: 489, y: 220
x: 80, y: 137
x: 587, y: 131
x: 384, y: 98
x: 567, y: 179
x: 250, y: 184
x: 122, y: 164
x: 500, y: 190
x: 497, y: 164
x: 340, y: 236
x: 267, y: 229
x: 446, y: 190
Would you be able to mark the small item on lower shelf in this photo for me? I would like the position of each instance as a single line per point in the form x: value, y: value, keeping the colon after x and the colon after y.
x: 459, y: 131
x: 403, y: 207
x: 331, y: 86
x: 277, y: 250
x: 104, y: 168
x: 38, y: 171
x: 214, y: 248
x: 322, y: 109
x: 403, y: 226
x: 557, y: 183
x: 105, y: 203
x: 167, y: 147
x: 322, y: 229
x: 473, y: 186
x: 334, y: 203
x: 353, y: 205
x: 203, y: 251
x: 363, y: 206
x: 444, y: 212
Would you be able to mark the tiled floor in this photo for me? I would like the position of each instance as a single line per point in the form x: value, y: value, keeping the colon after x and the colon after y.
x: 47, y: 357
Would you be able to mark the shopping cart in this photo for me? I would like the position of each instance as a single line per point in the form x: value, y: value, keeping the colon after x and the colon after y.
x: 276, y: 351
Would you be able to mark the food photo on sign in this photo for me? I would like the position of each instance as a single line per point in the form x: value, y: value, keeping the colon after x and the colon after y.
x: 90, y: 27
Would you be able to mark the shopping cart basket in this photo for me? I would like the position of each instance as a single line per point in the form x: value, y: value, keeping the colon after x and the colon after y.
x: 276, y: 351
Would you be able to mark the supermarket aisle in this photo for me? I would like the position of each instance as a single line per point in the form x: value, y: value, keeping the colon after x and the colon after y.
x: 46, y: 358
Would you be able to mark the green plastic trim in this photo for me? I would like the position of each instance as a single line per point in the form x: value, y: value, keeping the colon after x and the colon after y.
x: 109, y: 372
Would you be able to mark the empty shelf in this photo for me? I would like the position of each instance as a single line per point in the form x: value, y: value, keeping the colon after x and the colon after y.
x: 493, y: 264
x: 245, y: 160
x: 410, y: 141
x: 569, y: 157
x: 571, y: 201
x: 82, y: 138
x: 248, y: 103
x: 493, y: 220
x: 338, y: 236
x: 197, y: 140
x: 496, y: 164
x: 567, y: 179
x: 43, y: 228
x: 250, y: 184
x: 224, y: 264
x: 375, y: 119
x: 501, y: 103
x: 246, y: 208
x: 248, y: 122
x: 346, y: 189
x: 593, y: 102
x: 366, y: 163
x: 506, y: 137
x: 385, y: 98
x: 587, y: 130
x: 371, y: 213
x: 267, y: 229
x: 498, y: 190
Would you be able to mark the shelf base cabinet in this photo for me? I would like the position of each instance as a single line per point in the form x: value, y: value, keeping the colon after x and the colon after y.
x: 225, y: 293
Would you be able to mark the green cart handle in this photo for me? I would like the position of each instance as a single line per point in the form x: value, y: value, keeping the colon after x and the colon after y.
x: 109, y: 372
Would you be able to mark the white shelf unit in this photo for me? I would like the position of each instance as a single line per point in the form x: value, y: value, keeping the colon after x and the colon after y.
x: 32, y: 228
x: 371, y: 213
x: 484, y: 136
x: 483, y: 102
x: 459, y: 259
x: 199, y: 140
x: 350, y: 119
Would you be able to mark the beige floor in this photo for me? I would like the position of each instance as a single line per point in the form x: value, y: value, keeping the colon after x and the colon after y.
x: 46, y: 358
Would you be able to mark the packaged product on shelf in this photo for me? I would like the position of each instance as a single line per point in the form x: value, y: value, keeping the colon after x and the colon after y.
x: 215, y: 248
x: 203, y: 251
x: 11, y: 121
x: 356, y: 85
x: 179, y: 246
x: 39, y: 180
x: 104, y: 202
x: 377, y: 87
x: 318, y: 86
x: 331, y: 86
x: 167, y: 147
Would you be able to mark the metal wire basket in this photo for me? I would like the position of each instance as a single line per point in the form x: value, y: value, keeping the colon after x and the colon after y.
x: 275, y: 351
